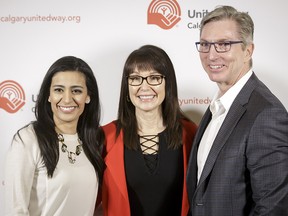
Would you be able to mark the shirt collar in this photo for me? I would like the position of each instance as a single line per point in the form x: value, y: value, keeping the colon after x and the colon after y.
x: 227, y: 99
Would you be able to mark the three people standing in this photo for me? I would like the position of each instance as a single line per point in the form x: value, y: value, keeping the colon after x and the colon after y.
x: 239, y: 157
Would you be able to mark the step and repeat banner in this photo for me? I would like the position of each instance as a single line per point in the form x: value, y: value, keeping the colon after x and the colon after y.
x: 33, y: 34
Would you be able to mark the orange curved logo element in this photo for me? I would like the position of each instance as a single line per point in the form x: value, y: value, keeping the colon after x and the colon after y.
x: 12, y: 96
x: 164, y: 13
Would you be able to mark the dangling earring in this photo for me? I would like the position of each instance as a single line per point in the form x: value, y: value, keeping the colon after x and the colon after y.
x: 128, y: 99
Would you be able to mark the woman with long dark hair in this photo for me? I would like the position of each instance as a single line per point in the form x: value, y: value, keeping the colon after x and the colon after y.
x: 54, y: 165
x: 147, y: 147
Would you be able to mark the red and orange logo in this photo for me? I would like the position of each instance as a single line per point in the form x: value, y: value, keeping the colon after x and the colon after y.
x: 12, y: 96
x: 164, y: 13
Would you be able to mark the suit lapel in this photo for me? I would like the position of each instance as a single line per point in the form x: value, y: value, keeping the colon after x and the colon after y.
x: 226, y: 129
x: 192, y: 166
x: 236, y: 110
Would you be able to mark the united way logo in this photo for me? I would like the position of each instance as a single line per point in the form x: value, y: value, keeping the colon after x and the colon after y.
x: 12, y: 96
x: 164, y: 13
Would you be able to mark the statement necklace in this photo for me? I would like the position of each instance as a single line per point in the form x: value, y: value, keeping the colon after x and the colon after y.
x: 71, y: 155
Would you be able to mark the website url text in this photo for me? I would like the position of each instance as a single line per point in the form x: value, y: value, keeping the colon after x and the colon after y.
x: 39, y: 18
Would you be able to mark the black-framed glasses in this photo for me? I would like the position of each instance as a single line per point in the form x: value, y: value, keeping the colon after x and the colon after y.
x: 153, y: 80
x: 220, y: 47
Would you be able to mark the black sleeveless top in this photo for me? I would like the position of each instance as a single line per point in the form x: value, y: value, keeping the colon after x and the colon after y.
x: 158, y: 192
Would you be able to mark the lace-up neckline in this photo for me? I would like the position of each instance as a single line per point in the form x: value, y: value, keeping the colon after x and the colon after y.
x: 149, y: 145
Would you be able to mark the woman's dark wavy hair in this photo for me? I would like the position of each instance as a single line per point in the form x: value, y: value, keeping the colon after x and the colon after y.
x: 150, y: 57
x: 88, y: 125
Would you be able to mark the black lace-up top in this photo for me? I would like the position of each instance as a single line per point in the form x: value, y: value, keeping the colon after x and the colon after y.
x: 154, y: 180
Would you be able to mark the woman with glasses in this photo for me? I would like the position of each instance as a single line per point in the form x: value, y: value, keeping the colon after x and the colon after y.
x: 147, y: 147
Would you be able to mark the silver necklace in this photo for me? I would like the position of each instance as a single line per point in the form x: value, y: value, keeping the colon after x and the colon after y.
x: 71, y: 155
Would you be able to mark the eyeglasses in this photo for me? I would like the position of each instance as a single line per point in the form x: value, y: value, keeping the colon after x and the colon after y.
x: 220, y: 47
x: 152, y: 80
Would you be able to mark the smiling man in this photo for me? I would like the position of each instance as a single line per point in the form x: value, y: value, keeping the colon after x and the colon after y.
x: 239, y: 159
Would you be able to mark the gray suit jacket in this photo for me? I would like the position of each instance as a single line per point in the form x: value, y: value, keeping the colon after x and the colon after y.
x: 246, y: 172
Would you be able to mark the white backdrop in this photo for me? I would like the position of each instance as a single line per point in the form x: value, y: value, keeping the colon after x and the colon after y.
x: 33, y: 34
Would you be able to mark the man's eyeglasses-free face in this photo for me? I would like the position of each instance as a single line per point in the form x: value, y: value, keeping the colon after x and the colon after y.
x: 220, y: 47
x: 153, y: 80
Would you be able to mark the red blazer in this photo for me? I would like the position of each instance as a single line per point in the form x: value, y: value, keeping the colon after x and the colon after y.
x: 115, y: 199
